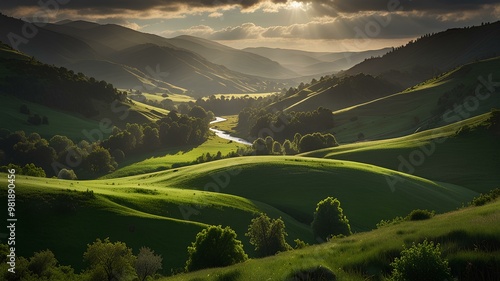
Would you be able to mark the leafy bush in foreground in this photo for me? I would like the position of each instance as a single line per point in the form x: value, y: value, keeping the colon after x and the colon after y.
x: 421, y: 262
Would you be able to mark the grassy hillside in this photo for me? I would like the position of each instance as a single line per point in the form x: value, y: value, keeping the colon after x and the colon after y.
x: 69, y: 124
x: 417, y: 108
x: 164, y: 210
x: 364, y: 190
x: 467, y: 159
x: 164, y: 159
x: 335, y: 94
x: 469, y: 240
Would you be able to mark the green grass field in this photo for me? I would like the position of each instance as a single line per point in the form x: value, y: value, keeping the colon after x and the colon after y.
x: 468, y: 237
x: 59, y: 122
x: 164, y: 210
x: 411, y: 110
x: 164, y: 159
x: 446, y: 157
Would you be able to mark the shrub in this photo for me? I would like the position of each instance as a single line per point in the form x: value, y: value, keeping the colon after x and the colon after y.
x: 267, y: 236
x: 215, y: 247
x: 418, y: 215
x: 329, y: 219
x: 111, y: 261
x: 66, y: 174
x: 485, y: 198
x: 421, y: 262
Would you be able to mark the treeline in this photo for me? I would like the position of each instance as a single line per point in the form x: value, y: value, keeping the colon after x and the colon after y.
x: 60, y: 154
x: 55, y: 87
x: 229, y: 106
x: 298, y: 144
x: 284, y: 125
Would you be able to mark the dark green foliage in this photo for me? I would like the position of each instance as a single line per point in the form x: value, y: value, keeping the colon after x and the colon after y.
x: 267, y: 235
x: 285, y: 125
x: 318, y: 273
x: 34, y: 171
x: 215, y: 247
x: 114, y: 261
x: 234, y: 105
x: 329, y: 220
x: 99, y: 161
x: 421, y: 262
x: 316, y: 141
x: 485, y: 198
x: 418, y: 215
x: 55, y: 87
x: 24, y: 109
x: 42, y: 262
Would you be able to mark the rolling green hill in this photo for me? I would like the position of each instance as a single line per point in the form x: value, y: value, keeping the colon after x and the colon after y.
x: 468, y: 237
x: 72, y: 102
x: 467, y: 159
x: 164, y: 210
x: 418, y: 108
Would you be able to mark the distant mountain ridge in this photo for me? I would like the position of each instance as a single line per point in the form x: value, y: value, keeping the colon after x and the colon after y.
x: 316, y: 63
x: 70, y: 43
x: 434, y: 54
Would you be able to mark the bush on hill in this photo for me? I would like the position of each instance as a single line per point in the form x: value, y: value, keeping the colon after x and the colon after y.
x: 267, y: 235
x: 215, y: 247
x: 329, y: 220
x: 421, y: 262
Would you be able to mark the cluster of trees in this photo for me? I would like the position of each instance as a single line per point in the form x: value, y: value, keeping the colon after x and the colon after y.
x: 229, y: 106
x: 97, y: 158
x: 285, y: 125
x: 219, y: 105
x: 56, y: 87
x: 172, y: 130
x: 28, y: 170
x: 298, y: 144
x: 106, y: 261
x: 216, y: 246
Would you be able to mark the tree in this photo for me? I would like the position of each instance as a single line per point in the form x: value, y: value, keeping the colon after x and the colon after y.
x: 267, y: 236
x: 34, y: 171
x: 60, y: 143
x: 112, y: 260
x: 100, y: 161
x: 147, y: 263
x: 421, y: 262
x: 42, y: 263
x: 67, y: 174
x: 215, y: 247
x: 329, y: 219
x: 198, y: 112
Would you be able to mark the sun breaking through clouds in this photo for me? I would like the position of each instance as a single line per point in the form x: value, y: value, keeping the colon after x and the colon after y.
x: 272, y: 22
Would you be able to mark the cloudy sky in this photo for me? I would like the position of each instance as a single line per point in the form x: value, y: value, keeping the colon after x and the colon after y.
x: 319, y: 25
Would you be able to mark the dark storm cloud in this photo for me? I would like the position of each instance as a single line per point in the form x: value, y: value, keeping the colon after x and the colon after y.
x: 331, y: 7
x: 110, y: 6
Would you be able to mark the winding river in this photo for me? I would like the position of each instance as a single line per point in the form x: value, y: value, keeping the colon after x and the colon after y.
x: 224, y: 135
